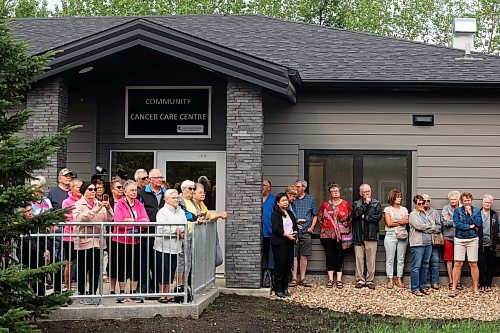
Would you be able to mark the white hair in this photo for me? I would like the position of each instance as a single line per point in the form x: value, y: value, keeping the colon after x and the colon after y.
x: 152, y: 171
x: 488, y: 196
x: 454, y: 195
x: 129, y: 183
x: 170, y: 192
x: 364, y: 185
x: 39, y: 181
x: 137, y: 172
x: 187, y: 183
x: 302, y: 181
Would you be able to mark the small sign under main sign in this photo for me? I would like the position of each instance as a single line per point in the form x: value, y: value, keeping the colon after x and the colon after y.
x: 167, y: 112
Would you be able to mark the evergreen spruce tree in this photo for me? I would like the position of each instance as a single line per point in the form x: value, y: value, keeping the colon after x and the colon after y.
x: 19, y: 157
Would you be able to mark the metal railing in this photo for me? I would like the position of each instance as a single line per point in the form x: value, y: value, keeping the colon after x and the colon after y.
x: 140, y: 260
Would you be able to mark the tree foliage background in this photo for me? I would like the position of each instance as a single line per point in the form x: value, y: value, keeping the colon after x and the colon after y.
x: 19, y: 158
x: 427, y: 21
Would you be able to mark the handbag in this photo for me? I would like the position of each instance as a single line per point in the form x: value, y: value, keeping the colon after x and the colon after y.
x: 219, y: 258
x: 438, y: 239
x: 401, y: 233
x: 346, y: 236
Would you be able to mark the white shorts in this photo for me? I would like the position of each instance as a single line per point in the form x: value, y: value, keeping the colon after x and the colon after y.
x: 468, y: 246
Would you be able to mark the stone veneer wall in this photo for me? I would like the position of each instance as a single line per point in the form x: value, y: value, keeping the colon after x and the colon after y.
x: 49, y: 101
x: 244, y: 154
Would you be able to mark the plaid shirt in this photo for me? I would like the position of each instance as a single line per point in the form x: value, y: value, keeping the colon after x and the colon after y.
x: 306, y: 209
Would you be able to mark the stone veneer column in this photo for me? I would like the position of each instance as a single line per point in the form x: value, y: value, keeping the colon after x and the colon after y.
x: 244, y: 154
x: 49, y: 101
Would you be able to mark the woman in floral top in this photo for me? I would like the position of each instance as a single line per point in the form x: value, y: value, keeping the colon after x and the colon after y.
x: 335, y: 216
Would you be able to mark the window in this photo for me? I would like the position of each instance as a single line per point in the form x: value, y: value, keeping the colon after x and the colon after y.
x: 124, y: 163
x: 383, y: 170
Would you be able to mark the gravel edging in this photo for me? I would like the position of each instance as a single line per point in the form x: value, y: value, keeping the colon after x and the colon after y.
x: 400, y: 302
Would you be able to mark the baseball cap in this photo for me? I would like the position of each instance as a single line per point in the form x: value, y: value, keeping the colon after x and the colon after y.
x: 65, y: 172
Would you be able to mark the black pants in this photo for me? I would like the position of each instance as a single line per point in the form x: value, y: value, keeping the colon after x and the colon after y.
x: 88, y: 262
x: 334, y: 254
x: 266, y: 245
x: 32, y: 258
x: 486, y: 265
x: 283, y: 258
x: 147, y: 258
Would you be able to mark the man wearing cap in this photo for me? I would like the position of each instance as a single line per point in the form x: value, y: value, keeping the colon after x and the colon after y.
x: 60, y: 192
x: 56, y: 196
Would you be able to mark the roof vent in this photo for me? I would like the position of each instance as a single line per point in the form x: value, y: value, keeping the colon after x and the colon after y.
x: 463, y: 35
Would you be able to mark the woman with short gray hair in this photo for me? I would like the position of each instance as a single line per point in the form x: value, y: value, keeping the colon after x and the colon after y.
x: 168, y: 242
x: 488, y: 240
x: 449, y: 234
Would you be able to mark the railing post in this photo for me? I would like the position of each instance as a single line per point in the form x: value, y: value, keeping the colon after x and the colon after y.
x: 101, y: 263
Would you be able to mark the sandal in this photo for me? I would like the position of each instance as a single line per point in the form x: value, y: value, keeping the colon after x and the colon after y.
x: 306, y: 284
x: 340, y: 285
x: 293, y: 283
x: 105, y: 279
x: 425, y: 291
x: 453, y: 293
x: 390, y: 284
x: 329, y: 284
x: 417, y: 293
x: 165, y: 300
x: 399, y: 283
x: 459, y: 286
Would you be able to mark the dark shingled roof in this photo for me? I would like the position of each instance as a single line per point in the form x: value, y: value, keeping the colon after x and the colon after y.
x: 320, y: 54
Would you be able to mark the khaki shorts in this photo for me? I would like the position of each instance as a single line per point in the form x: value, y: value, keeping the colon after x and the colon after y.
x: 304, y: 246
x: 466, y: 246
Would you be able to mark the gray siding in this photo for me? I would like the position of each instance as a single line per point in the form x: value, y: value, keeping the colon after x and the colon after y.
x: 81, y: 156
x: 459, y: 152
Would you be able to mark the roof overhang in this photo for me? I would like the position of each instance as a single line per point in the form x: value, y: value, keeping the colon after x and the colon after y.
x: 141, y: 32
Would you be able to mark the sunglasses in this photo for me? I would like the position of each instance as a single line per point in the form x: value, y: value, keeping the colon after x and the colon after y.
x: 91, y: 189
x: 192, y: 188
x: 427, y: 201
x: 119, y: 187
x: 144, y: 178
x: 420, y: 203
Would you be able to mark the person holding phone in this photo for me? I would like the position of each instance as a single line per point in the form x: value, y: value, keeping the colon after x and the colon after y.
x: 283, y: 238
x: 467, y: 220
x: 88, y: 209
x: 128, y: 210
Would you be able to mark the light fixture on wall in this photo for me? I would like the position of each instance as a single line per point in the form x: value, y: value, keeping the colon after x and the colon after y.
x: 101, y: 171
x: 423, y: 120
x: 85, y: 70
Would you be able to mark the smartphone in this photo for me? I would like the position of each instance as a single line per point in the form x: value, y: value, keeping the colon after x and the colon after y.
x: 105, y: 197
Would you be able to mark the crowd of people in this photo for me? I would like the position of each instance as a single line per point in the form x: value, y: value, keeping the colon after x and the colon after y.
x: 150, y: 257
x: 460, y: 229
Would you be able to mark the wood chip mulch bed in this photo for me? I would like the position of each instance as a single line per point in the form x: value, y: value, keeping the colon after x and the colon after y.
x: 400, y: 302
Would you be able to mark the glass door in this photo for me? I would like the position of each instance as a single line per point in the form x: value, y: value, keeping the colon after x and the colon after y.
x: 208, y: 168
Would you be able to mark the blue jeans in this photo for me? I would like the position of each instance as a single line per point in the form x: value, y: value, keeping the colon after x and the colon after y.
x: 433, y: 275
x: 420, y: 256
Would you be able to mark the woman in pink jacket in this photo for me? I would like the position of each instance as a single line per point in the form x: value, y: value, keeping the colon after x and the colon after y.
x: 126, y: 264
x: 69, y: 252
x: 87, y: 245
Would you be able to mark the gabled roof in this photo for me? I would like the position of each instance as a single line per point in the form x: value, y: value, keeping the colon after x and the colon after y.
x: 320, y: 54
x: 194, y: 50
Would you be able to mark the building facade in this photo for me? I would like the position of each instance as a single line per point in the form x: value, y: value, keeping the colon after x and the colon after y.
x: 241, y: 98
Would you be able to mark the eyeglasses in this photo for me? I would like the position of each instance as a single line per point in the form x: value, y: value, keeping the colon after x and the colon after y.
x: 192, y: 188
x: 174, y: 198
x: 119, y: 187
x: 91, y: 189
x: 144, y: 178
x: 420, y: 203
x: 159, y: 177
x: 427, y: 201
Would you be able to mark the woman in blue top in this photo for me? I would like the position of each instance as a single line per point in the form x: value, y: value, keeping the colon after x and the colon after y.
x: 467, y: 221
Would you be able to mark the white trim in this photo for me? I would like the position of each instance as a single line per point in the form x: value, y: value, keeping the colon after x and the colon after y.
x: 219, y: 157
x: 208, y: 136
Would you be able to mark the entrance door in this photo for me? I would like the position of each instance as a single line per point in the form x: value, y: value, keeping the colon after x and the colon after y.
x: 208, y: 168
